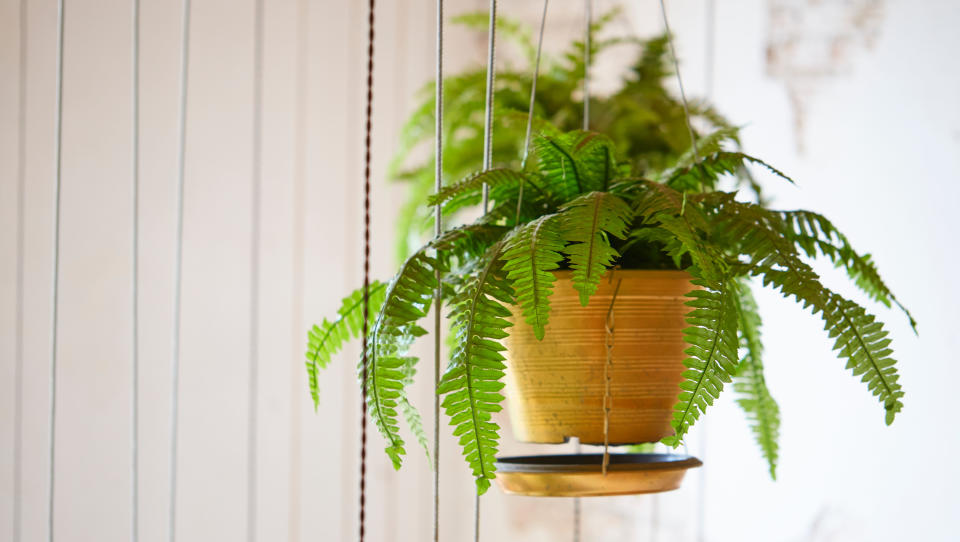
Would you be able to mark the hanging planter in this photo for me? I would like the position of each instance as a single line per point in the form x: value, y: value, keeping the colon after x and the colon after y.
x: 556, y: 387
x: 527, y: 286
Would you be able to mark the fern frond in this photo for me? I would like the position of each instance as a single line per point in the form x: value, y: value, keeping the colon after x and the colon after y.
x: 468, y: 190
x: 816, y: 235
x: 705, y: 173
x: 860, y: 338
x: 472, y: 382
x: 712, y: 340
x: 754, y: 397
x: 408, y: 299
x: 585, y: 223
x: 326, y: 339
x: 529, y: 255
x: 575, y: 163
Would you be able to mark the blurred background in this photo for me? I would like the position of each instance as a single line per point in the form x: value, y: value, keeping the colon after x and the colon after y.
x: 856, y: 99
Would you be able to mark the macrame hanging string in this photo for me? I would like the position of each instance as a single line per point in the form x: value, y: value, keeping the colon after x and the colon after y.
x: 18, y: 332
x: 55, y: 294
x: 533, y: 101
x: 134, y: 282
x: 438, y: 302
x: 366, y: 270
x: 178, y: 271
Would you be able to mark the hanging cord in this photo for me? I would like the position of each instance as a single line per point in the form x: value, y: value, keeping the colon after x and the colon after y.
x: 607, y: 397
x: 588, y: 19
x: 55, y: 294
x: 178, y: 271
x: 438, y: 301
x: 488, y: 110
x: 366, y: 272
x: 704, y: 429
x: 683, y: 95
x: 533, y: 101
x: 135, y: 282
x: 18, y: 332
x: 256, y: 181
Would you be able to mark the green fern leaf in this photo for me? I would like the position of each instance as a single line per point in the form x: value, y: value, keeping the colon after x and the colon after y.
x: 389, y: 368
x: 472, y: 382
x: 712, y: 340
x: 326, y: 339
x: 469, y: 190
x: 575, y: 163
x: 754, y: 398
x: 585, y: 223
x: 530, y: 254
x: 707, y: 171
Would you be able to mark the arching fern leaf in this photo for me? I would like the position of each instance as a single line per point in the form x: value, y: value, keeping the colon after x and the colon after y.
x: 389, y: 368
x: 712, y: 340
x: 575, y: 163
x: 754, y: 398
x: 585, y: 223
x: 471, y: 384
x: 530, y: 254
x: 326, y: 339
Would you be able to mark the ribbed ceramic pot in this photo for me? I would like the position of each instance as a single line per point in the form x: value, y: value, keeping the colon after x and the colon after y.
x: 555, y: 387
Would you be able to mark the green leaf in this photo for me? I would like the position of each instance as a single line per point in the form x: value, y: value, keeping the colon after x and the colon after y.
x: 585, y: 223
x: 529, y: 255
x: 575, y: 163
x: 327, y: 338
x: 389, y: 367
x: 754, y: 398
x: 471, y: 384
x: 712, y: 340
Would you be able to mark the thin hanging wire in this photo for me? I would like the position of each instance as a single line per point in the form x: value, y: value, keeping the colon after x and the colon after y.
x: 55, y: 294
x: 609, y: 328
x: 438, y: 302
x: 297, y: 280
x: 488, y: 110
x: 135, y: 281
x: 18, y: 332
x: 588, y: 21
x: 709, y: 59
x: 256, y: 181
x: 683, y: 95
x: 178, y: 270
x: 533, y: 101
x: 366, y: 270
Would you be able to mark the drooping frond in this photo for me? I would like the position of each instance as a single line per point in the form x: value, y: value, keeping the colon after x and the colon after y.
x: 327, y: 338
x: 529, y: 255
x: 753, y: 396
x: 712, y: 340
x: 468, y: 241
x: 860, y: 338
x: 585, y: 223
x: 816, y: 235
x: 472, y: 382
x: 389, y: 367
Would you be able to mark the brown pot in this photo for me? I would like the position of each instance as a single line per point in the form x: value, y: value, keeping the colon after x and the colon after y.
x: 556, y: 386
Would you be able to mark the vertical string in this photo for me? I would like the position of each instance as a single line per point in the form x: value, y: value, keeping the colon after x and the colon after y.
x: 533, y: 101
x: 588, y: 20
x: 438, y: 302
x: 683, y: 95
x: 18, y: 332
x: 704, y: 430
x: 488, y: 110
x: 135, y: 282
x: 366, y: 270
x: 55, y: 294
x: 297, y: 280
x: 256, y: 181
x: 178, y: 270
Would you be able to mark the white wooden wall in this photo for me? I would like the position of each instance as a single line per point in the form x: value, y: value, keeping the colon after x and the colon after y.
x: 888, y: 123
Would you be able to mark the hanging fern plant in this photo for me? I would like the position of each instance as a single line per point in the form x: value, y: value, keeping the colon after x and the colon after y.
x: 588, y: 202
